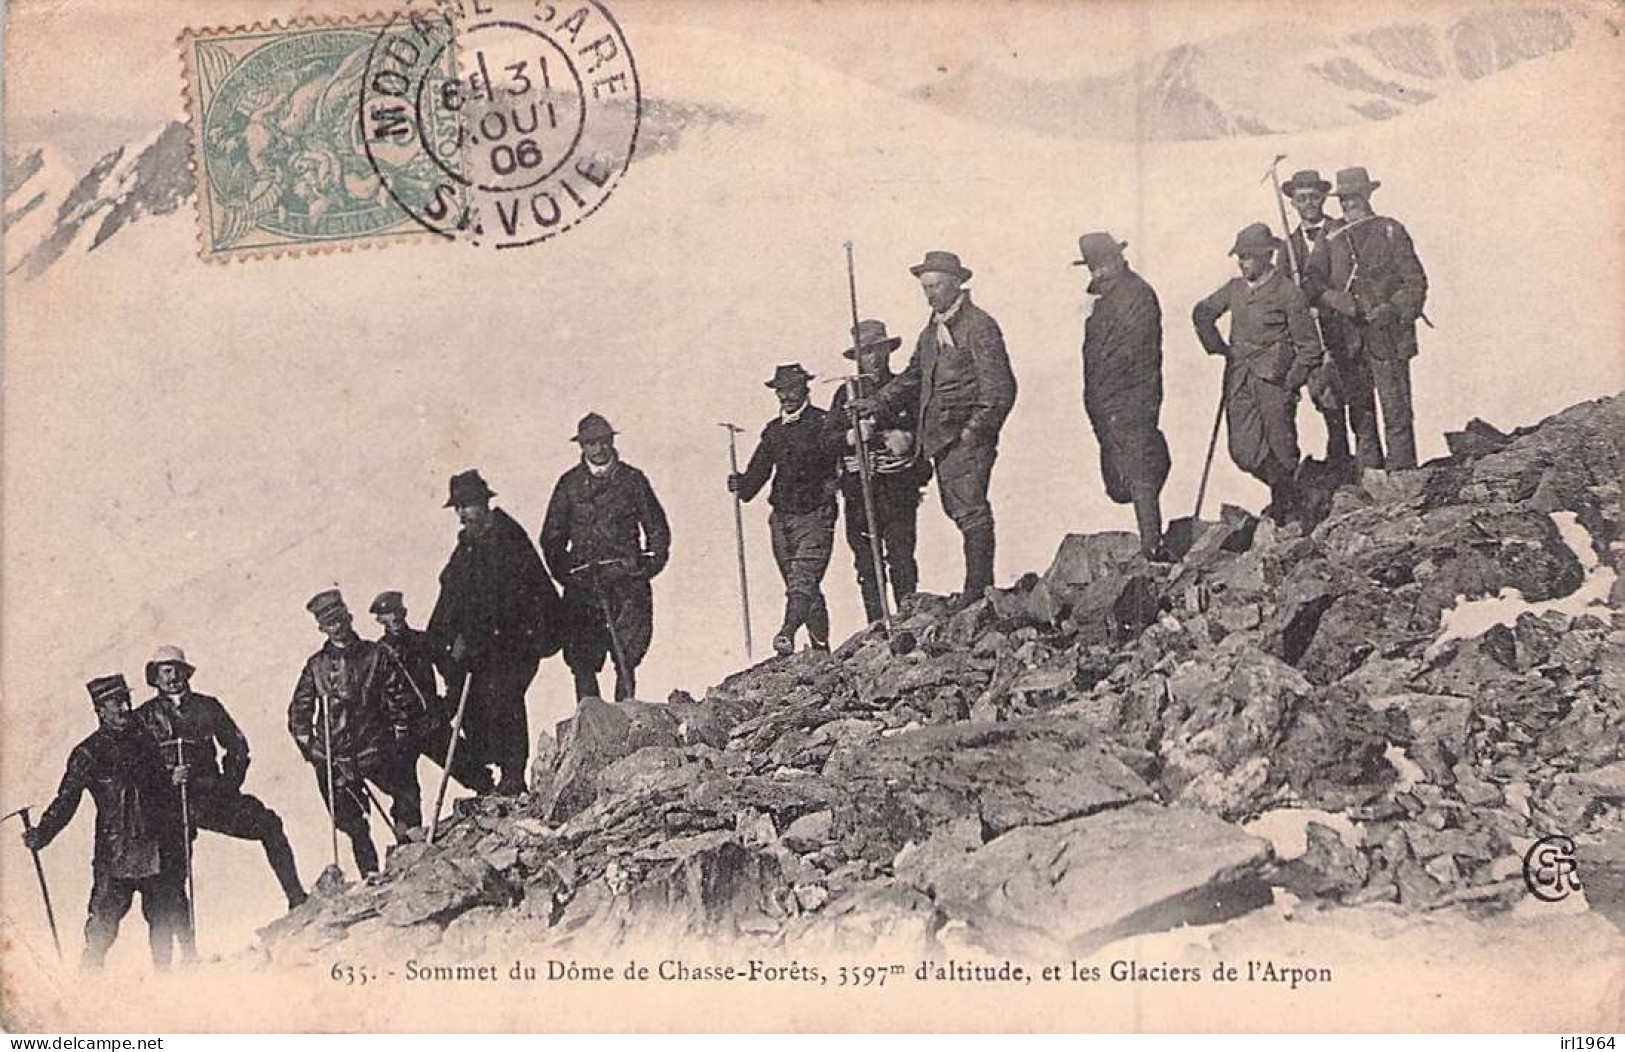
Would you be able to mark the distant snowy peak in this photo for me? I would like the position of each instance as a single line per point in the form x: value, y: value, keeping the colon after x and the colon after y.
x: 1276, y: 78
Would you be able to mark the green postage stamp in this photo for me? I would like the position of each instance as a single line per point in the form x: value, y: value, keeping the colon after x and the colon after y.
x: 279, y: 137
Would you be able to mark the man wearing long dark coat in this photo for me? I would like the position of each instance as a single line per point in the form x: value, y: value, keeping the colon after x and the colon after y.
x: 604, y: 539
x: 1122, y: 384
x: 140, y: 837
x: 495, y: 619
x: 1270, y: 353
x: 1373, y: 279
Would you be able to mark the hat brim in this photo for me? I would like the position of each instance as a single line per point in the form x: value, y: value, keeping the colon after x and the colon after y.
x: 889, y: 344
x: 1289, y: 188
x: 963, y: 273
x: 777, y: 384
x: 598, y: 436
x: 452, y: 502
x: 1083, y: 261
x: 1362, y: 191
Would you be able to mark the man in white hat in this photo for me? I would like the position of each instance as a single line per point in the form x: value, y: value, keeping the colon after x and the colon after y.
x: 203, y: 748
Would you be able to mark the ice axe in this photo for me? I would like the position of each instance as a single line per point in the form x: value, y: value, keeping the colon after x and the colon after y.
x: 865, y: 478
x: 739, y: 532
x: 451, y: 754
x: 622, y: 670
x: 186, y: 820
x: 39, y: 871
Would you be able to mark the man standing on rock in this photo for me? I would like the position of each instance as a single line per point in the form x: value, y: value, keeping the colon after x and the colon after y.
x: 495, y: 619
x: 1271, y: 352
x: 604, y: 539
x: 203, y: 748
x: 1339, y: 401
x: 961, y: 377
x: 1374, y: 281
x: 418, y: 661
x: 795, y: 452
x: 353, y: 709
x: 897, y: 472
x: 1122, y: 385
x: 140, y: 837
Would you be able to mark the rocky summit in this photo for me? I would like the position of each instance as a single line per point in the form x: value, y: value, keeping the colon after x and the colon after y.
x: 1080, y: 757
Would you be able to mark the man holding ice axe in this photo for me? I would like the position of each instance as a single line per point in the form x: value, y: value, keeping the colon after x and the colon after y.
x: 604, y: 539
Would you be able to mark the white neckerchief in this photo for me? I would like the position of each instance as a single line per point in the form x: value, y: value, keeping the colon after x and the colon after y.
x: 1256, y: 285
x: 177, y: 699
x: 945, y: 337
x: 595, y: 470
x: 790, y: 418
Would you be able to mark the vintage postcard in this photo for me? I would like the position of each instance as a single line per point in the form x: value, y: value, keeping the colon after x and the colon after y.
x: 856, y: 515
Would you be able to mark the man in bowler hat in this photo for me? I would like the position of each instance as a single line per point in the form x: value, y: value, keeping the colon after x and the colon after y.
x: 352, y: 707
x: 1271, y: 351
x: 140, y: 836
x: 495, y: 619
x: 961, y: 377
x: 795, y: 452
x: 1122, y: 384
x: 203, y: 747
x: 604, y: 539
x: 1371, y: 277
x: 897, y: 470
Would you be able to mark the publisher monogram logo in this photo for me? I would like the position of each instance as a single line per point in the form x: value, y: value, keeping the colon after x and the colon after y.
x: 1549, y: 870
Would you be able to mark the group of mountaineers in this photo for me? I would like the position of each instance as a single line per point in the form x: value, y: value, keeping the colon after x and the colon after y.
x: 1331, y: 309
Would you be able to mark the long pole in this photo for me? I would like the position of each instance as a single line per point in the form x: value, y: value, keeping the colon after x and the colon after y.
x: 1292, y: 252
x: 372, y: 798
x: 44, y: 889
x: 186, y: 820
x: 327, y: 747
x: 1212, y: 442
x: 739, y: 535
x: 864, y: 478
x: 451, y: 754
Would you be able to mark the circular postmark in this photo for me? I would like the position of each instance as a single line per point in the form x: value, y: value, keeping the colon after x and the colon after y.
x: 525, y: 113
x: 1549, y: 869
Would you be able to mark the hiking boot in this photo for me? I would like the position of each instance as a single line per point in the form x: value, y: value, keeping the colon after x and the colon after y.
x: 783, y: 645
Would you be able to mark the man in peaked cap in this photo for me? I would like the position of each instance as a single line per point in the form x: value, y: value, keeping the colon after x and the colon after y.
x: 1371, y: 276
x: 140, y: 838
x: 1271, y: 352
x: 897, y: 468
x: 1308, y: 245
x: 496, y: 617
x: 419, y: 663
x: 204, y: 749
x: 604, y: 539
x: 353, y: 690
x: 795, y: 452
x: 1122, y: 384
x: 961, y: 376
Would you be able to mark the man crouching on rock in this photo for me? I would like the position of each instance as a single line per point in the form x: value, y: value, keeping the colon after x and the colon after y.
x: 355, y: 720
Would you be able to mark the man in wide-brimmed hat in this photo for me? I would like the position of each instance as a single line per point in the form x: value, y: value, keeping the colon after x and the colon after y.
x: 898, y: 470
x: 192, y: 730
x: 1271, y: 351
x: 1307, y: 242
x: 420, y: 662
x: 961, y: 377
x: 604, y: 539
x: 496, y: 617
x: 140, y: 837
x: 353, y: 708
x: 1373, y: 279
x: 1122, y: 384
x: 796, y: 454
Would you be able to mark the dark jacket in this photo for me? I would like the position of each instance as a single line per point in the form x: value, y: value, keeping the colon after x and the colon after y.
x: 1272, y: 335
x: 373, y: 710
x: 610, y: 517
x: 202, y: 723
x: 968, y: 387
x: 799, y: 458
x: 1122, y: 349
x: 138, y: 817
x: 903, y: 416
x: 1312, y: 278
x: 1373, y: 260
x: 417, y: 656
x: 495, y: 593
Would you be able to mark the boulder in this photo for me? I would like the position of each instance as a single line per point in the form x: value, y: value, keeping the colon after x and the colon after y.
x: 441, y: 885
x: 595, y: 737
x: 1084, y: 558
x: 1075, y: 885
x: 707, y: 883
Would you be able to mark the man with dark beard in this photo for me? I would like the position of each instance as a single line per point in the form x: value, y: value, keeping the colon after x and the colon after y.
x: 140, y: 838
x: 1122, y: 385
x: 604, y: 539
x: 495, y: 619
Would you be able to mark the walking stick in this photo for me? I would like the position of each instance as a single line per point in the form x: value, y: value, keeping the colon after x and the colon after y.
x: 865, y: 481
x: 1212, y: 442
x: 327, y: 748
x: 739, y: 534
x: 451, y: 754
x: 372, y: 798
x: 1274, y: 176
x: 616, y: 652
x: 39, y: 871
x: 186, y: 820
